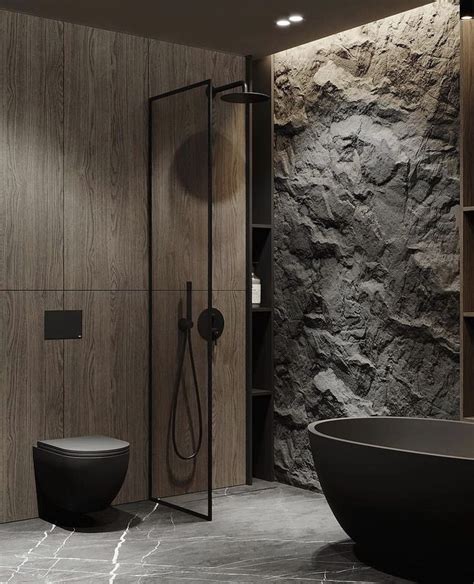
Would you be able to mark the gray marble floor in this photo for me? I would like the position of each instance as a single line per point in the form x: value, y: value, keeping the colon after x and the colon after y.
x: 266, y: 533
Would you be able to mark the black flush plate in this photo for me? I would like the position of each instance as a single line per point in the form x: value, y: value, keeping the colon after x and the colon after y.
x: 62, y: 324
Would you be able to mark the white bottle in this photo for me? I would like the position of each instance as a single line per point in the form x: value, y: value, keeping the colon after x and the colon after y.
x: 256, y: 290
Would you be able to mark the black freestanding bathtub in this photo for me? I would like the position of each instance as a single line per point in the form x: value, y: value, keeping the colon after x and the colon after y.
x: 400, y: 487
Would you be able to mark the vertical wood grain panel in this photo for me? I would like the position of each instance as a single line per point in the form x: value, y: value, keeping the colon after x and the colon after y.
x: 180, y: 191
x: 106, y: 377
x: 94, y: 129
x: 229, y: 411
x: 225, y: 67
x: 106, y: 91
x: 172, y: 476
x: 229, y: 282
x: 31, y: 153
x: 229, y: 212
x: 31, y: 402
x: 171, y: 67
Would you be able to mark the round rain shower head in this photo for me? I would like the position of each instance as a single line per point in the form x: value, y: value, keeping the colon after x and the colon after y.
x: 245, y: 97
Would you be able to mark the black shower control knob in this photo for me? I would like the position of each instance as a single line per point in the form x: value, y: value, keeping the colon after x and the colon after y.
x: 216, y: 324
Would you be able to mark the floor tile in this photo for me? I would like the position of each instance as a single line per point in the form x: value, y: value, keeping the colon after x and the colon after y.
x: 266, y: 533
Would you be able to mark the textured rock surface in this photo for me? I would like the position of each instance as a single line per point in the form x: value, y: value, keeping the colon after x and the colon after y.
x: 367, y: 197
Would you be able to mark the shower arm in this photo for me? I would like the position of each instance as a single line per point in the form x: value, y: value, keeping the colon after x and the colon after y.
x: 228, y: 86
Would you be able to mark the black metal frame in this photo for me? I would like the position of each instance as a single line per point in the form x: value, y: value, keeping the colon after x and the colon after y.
x: 246, y: 85
x: 248, y: 280
x: 233, y: 85
x: 210, y: 93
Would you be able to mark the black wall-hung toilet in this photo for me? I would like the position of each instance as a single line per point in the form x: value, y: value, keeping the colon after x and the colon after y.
x: 78, y: 475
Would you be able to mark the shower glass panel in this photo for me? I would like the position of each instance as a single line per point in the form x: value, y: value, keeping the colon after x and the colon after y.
x: 180, y: 296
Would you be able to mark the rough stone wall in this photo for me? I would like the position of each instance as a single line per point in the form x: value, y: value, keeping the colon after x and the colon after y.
x: 366, y: 240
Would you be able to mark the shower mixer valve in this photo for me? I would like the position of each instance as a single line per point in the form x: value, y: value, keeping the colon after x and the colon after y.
x: 210, y: 322
x: 216, y: 326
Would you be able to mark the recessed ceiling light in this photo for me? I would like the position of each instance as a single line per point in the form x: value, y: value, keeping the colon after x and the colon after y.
x: 296, y: 18
x: 466, y: 17
x: 283, y: 22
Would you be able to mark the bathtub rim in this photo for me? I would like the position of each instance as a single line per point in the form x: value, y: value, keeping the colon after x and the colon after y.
x: 312, y: 429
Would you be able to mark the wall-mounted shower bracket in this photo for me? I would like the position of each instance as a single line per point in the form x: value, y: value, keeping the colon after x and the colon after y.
x: 186, y: 324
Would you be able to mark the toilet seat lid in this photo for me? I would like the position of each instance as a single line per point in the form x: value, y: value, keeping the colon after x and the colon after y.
x: 85, y: 446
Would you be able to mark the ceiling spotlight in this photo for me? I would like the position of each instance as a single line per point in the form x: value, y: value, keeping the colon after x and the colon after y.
x: 296, y: 18
x: 467, y: 9
x: 283, y: 22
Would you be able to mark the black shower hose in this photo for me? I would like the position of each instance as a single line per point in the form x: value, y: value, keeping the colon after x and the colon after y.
x: 186, y: 340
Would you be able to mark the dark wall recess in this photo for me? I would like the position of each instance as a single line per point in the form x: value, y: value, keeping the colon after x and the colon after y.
x: 260, y: 260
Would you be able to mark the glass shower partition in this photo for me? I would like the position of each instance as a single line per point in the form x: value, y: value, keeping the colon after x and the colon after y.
x: 180, y: 198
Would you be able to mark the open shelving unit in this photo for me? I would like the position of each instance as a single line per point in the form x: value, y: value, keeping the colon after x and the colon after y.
x: 260, y: 257
x: 467, y: 220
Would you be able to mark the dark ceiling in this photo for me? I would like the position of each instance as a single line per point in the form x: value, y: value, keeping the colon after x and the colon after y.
x: 245, y: 27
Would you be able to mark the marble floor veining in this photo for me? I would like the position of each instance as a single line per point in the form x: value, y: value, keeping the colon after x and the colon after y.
x: 265, y: 533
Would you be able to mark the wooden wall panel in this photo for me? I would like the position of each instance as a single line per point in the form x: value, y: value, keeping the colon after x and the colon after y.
x: 31, y: 149
x: 229, y: 212
x: 31, y: 396
x: 173, y: 66
x: 229, y: 178
x: 93, y: 132
x: 106, y: 377
x: 171, y: 475
x: 106, y: 91
x: 180, y: 184
x: 229, y: 412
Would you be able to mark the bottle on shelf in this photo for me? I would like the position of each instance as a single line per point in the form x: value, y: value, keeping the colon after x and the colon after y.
x: 256, y: 290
